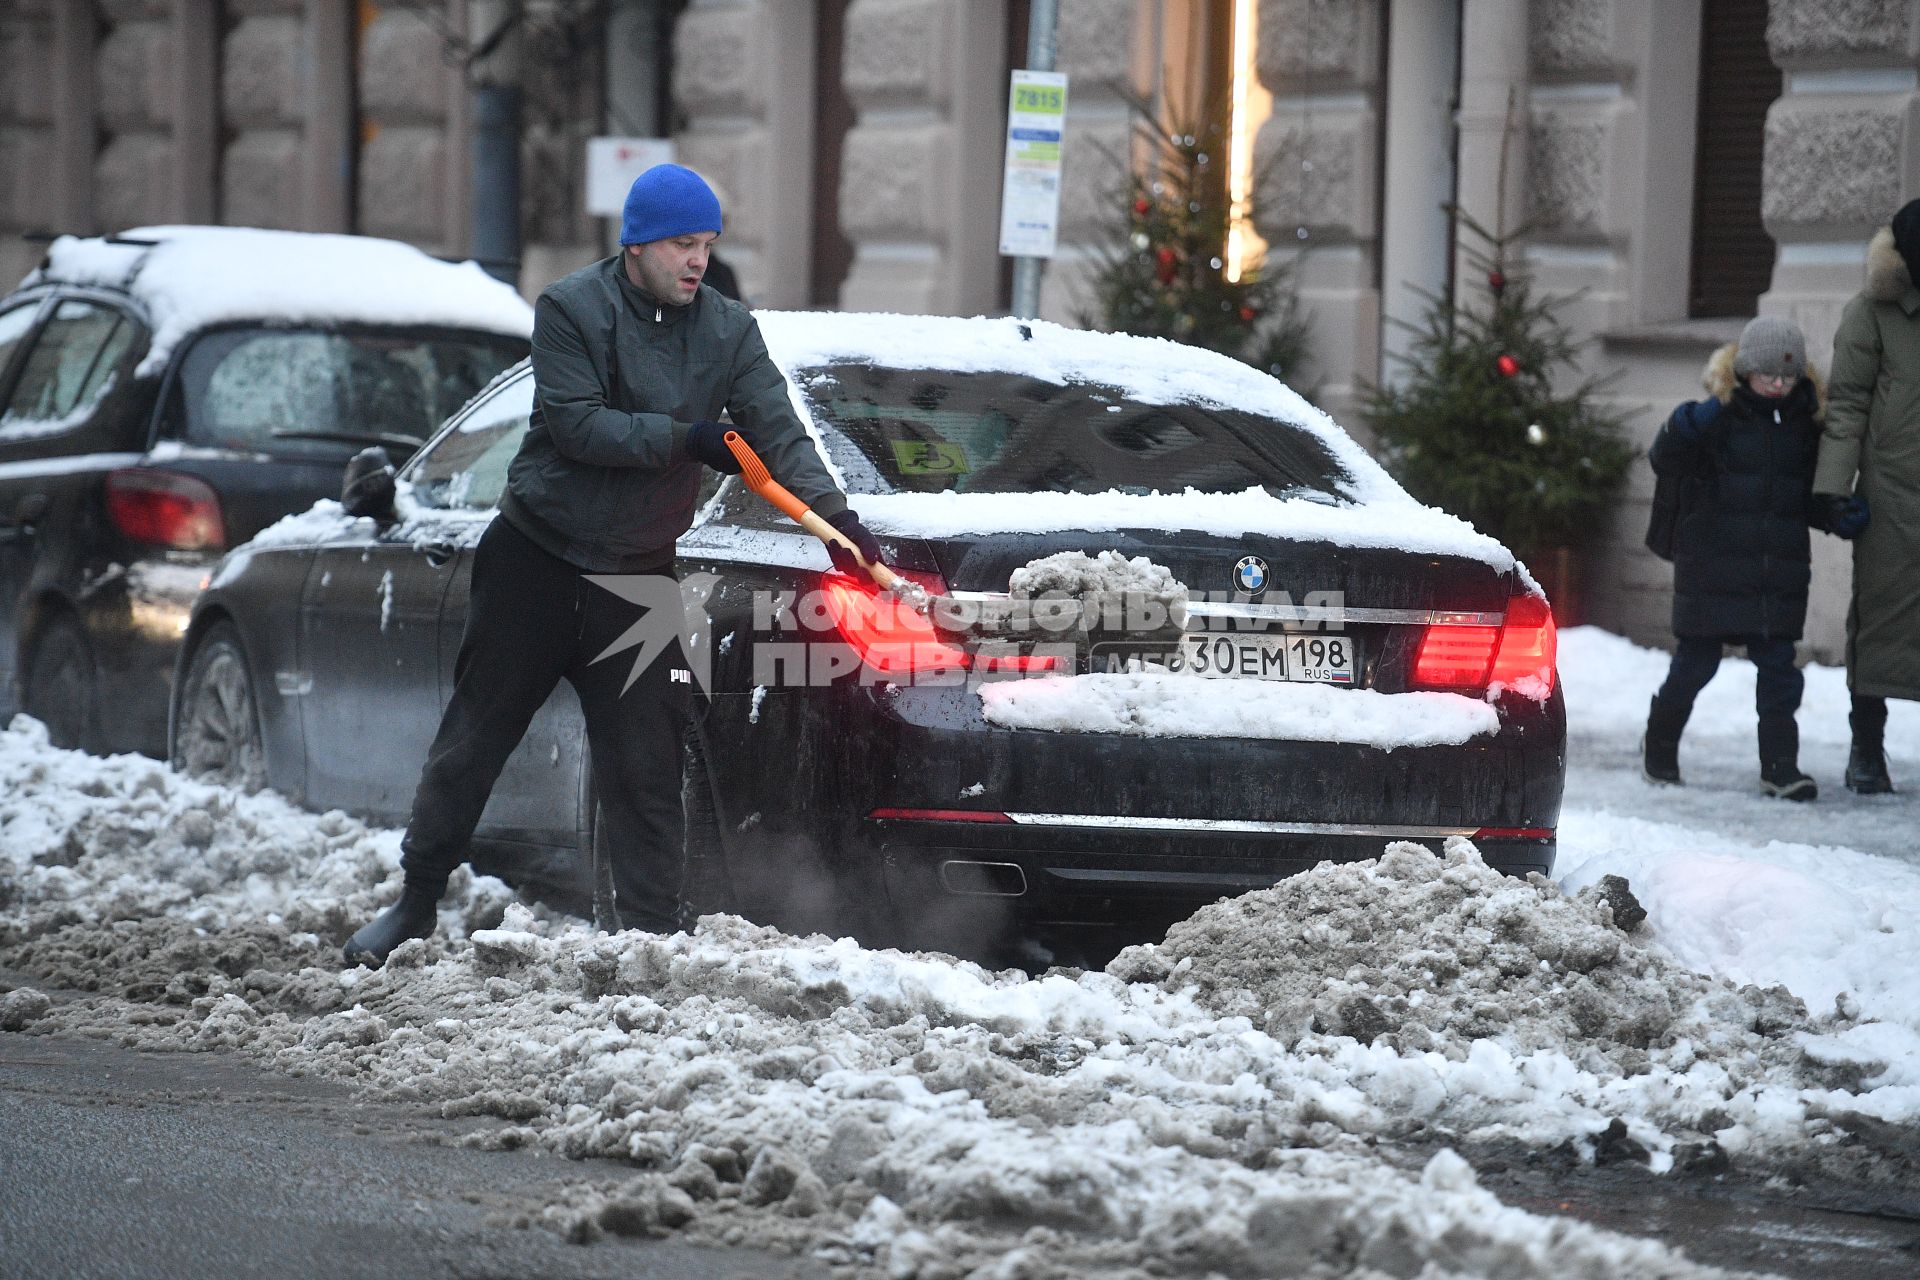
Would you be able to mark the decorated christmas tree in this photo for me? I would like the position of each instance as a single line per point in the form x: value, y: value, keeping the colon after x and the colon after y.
x: 1477, y: 426
x: 1163, y: 273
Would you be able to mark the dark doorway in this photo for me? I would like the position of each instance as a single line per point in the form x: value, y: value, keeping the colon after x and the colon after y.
x: 1732, y: 252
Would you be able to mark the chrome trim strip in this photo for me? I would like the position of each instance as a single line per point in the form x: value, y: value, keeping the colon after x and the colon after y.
x: 1297, y: 612
x: 1236, y: 826
x: 1236, y: 878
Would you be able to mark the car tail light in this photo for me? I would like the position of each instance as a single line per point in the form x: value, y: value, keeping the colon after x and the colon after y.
x: 1514, y: 833
x: 890, y: 635
x: 166, y: 508
x: 939, y: 815
x: 1529, y: 644
x: 895, y: 639
x: 1521, y: 648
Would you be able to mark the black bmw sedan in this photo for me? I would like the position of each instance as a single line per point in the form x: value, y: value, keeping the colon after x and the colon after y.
x: 1182, y: 638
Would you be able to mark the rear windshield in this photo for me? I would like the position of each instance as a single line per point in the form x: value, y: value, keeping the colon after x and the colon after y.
x: 933, y: 431
x: 297, y: 392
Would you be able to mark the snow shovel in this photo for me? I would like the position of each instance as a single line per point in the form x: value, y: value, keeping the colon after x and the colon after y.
x: 754, y: 472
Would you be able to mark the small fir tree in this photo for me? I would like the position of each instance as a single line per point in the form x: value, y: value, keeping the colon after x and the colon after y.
x: 1477, y: 428
x: 1162, y: 274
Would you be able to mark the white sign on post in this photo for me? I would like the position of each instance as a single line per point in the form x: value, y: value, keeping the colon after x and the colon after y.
x: 1030, y: 192
x: 613, y: 164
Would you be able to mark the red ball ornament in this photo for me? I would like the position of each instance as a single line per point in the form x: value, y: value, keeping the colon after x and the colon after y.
x: 1165, y: 262
x: 1496, y: 281
x: 1507, y: 365
x: 1247, y: 314
x: 1142, y: 206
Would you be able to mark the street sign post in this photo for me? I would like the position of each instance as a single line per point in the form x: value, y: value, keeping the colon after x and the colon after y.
x: 1030, y: 190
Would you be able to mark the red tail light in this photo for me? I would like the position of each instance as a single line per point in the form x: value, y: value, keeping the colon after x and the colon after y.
x: 939, y: 815
x: 890, y: 636
x: 895, y: 639
x: 1529, y: 644
x: 166, y: 508
x: 1521, y: 648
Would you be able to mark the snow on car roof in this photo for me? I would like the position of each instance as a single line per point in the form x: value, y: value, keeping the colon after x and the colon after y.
x: 199, y: 276
x: 1151, y: 371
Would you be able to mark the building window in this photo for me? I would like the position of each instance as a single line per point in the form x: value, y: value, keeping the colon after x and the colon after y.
x: 1732, y: 252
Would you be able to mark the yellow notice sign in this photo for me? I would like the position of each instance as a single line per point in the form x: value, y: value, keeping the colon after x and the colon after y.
x: 1030, y: 192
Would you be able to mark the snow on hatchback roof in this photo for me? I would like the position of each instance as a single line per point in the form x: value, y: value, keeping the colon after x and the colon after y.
x: 199, y: 276
x: 1148, y: 370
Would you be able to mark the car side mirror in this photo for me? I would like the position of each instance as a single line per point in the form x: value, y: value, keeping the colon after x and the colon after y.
x: 367, y: 489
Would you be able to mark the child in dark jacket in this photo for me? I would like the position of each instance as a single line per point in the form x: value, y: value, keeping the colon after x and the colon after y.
x: 1742, y: 560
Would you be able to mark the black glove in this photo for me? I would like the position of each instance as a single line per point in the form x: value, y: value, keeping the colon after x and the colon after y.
x: 707, y: 442
x: 849, y: 526
x: 1843, y: 516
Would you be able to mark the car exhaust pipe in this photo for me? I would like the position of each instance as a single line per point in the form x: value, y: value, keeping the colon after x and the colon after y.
x: 983, y: 879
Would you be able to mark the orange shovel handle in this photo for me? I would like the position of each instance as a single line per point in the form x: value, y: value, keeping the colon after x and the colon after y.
x: 757, y: 478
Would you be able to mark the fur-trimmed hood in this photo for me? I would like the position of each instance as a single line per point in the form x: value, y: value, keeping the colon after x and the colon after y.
x: 1719, y: 379
x: 1887, y: 276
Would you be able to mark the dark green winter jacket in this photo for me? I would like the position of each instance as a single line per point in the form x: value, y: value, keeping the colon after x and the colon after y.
x: 1872, y: 447
x: 603, y: 479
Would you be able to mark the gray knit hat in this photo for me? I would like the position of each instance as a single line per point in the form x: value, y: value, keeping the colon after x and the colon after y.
x: 1771, y: 345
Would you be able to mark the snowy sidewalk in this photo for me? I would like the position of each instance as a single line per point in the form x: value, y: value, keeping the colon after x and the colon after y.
x: 1257, y: 1095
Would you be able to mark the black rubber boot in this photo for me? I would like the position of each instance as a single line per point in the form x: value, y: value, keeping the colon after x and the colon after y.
x: 1780, y: 774
x: 1867, y: 761
x: 1660, y: 747
x: 413, y: 916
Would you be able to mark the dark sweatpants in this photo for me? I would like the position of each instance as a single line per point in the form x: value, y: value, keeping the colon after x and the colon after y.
x: 533, y: 619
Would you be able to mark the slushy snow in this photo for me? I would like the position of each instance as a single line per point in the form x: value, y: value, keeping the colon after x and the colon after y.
x: 1292, y: 1082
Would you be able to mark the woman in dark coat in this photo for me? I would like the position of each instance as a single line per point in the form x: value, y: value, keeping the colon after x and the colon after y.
x: 1742, y: 558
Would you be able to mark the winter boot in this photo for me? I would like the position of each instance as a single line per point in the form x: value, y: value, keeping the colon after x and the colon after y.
x: 1660, y: 746
x: 1867, y: 761
x: 1780, y: 774
x: 414, y: 916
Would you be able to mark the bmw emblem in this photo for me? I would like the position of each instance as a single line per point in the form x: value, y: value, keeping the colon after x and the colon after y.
x: 1250, y: 575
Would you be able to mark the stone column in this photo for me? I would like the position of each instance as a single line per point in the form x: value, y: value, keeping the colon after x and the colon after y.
x: 744, y: 76
x: 402, y: 164
x: 268, y: 173
x: 75, y: 132
x: 920, y: 184
x: 1842, y: 151
x: 1493, y: 121
x: 196, y: 108
x: 328, y: 153
x: 1415, y: 236
x: 1321, y: 62
x: 27, y: 128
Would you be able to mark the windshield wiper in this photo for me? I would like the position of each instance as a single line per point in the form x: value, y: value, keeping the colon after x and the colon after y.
x: 393, y: 438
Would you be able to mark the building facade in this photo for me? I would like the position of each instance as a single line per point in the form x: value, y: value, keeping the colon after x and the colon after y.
x: 1678, y: 166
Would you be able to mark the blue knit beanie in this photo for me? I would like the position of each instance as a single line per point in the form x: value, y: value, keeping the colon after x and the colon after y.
x: 668, y: 200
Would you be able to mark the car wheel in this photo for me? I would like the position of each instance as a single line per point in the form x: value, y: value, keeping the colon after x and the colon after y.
x: 218, y: 738
x: 62, y: 688
x: 708, y: 886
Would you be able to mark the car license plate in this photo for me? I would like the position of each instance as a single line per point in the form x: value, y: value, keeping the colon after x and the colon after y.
x: 1312, y: 659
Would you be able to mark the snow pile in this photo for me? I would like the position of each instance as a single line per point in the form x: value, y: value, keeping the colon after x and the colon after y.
x: 123, y: 858
x: 1156, y: 704
x: 201, y: 276
x: 1112, y: 590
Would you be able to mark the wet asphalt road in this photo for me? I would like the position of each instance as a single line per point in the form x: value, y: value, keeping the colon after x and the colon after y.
x: 116, y: 1163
